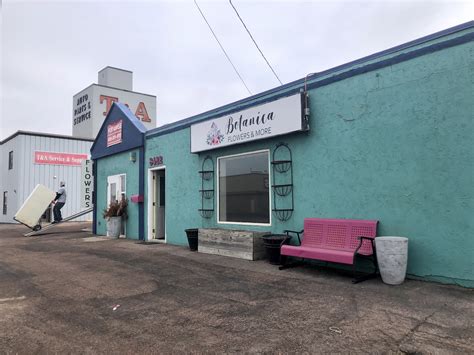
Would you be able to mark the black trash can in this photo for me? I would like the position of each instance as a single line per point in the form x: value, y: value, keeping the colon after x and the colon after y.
x: 273, y: 243
x: 192, y: 235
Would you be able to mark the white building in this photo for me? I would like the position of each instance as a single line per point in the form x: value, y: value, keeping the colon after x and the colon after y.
x: 30, y: 158
x: 91, y: 105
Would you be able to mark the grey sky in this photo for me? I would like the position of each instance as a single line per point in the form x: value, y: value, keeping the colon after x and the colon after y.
x: 52, y: 50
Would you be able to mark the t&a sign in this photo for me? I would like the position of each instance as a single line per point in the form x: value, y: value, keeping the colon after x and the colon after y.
x: 263, y: 121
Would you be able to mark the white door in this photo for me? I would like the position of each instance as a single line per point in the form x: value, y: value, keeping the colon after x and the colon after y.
x: 158, y: 204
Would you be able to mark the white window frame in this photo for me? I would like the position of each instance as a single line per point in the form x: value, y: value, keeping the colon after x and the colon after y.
x: 269, y: 189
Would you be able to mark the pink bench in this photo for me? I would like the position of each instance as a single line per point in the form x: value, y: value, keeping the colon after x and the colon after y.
x: 335, y: 240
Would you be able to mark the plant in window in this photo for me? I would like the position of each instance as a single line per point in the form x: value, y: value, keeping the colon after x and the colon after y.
x: 116, y: 209
x: 114, y: 214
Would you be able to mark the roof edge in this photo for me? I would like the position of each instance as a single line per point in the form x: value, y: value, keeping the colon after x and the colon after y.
x: 42, y: 134
x: 111, y: 67
x: 131, y: 117
x: 111, y: 87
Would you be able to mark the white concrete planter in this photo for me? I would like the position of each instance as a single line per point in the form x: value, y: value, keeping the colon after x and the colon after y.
x: 392, y: 257
x: 114, y: 226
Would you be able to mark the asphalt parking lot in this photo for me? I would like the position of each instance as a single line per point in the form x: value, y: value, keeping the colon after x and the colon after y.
x: 70, y: 292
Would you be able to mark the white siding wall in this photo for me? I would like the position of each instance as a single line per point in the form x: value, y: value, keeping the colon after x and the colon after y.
x: 26, y: 174
x: 83, y: 128
x: 10, y: 178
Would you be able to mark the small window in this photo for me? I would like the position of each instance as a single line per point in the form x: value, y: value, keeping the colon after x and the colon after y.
x: 5, y: 196
x: 113, y: 192
x: 244, y: 195
x: 10, y: 160
x: 122, y: 186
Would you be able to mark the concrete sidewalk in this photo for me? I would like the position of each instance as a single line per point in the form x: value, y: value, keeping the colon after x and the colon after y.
x: 58, y: 293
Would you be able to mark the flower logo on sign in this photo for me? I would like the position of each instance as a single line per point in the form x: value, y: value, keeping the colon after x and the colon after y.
x: 214, y: 136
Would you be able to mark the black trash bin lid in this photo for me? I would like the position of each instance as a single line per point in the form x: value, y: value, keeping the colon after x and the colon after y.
x: 276, y: 237
x: 192, y: 232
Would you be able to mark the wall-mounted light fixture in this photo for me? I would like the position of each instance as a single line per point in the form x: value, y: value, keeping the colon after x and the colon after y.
x: 133, y: 157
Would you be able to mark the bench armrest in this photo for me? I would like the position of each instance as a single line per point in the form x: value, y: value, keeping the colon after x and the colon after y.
x: 361, y: 239
x: 287, y: 231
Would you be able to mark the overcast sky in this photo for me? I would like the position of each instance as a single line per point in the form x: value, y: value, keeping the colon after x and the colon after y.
x: 51, y: 50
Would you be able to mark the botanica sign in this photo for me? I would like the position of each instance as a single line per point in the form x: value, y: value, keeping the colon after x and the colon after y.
x: 264, y: 121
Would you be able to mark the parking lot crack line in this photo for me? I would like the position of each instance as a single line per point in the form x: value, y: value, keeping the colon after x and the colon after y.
x: 414, y: 329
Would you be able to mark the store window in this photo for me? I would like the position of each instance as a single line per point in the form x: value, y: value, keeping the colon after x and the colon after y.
x: 10, y: 160
x: 244, y: 196
x: 5, y: 196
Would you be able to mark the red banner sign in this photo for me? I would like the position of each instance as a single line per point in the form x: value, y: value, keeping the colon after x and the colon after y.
x: 114, y: 133
x: 51, y: 158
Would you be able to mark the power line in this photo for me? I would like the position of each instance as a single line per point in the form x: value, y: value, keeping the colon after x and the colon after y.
x: 256, y: 45
x: 223, y: 50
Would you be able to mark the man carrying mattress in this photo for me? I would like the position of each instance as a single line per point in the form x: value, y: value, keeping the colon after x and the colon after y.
x: 59, y: 201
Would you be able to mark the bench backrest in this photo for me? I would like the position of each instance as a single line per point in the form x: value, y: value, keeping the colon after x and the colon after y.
x: 340, y: 234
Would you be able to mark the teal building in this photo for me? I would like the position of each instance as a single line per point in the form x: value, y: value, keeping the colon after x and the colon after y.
x: 388, y: 137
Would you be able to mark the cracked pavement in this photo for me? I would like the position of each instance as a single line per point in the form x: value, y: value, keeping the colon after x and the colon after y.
x: 58, y: 292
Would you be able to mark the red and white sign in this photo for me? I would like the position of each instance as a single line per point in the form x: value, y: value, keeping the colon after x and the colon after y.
x: 114, y: 133
x: 51, y: 158
x: 141, y: 113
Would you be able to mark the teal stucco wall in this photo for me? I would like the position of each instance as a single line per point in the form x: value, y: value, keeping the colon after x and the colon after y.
x: 114, y: 165
x: 394, y: 144
x: 182, y: 184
